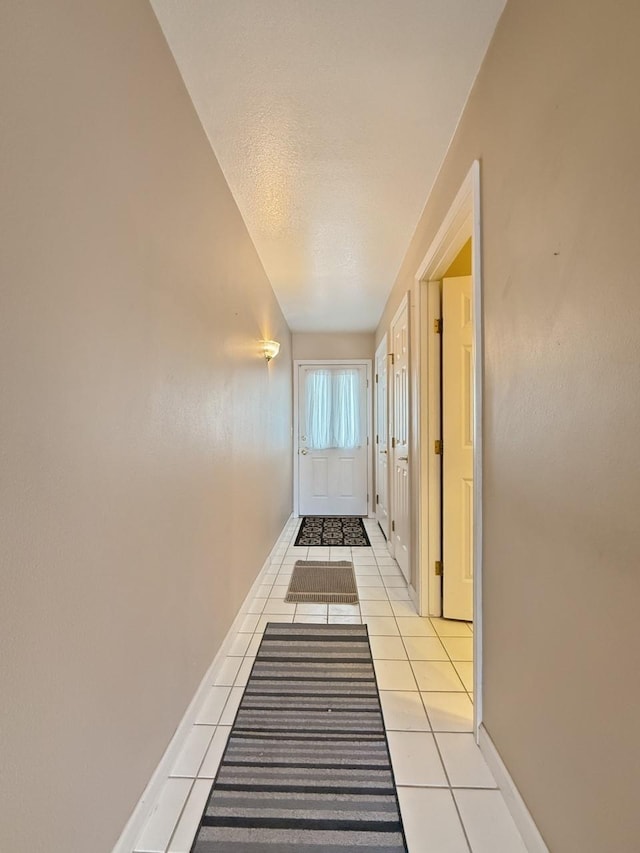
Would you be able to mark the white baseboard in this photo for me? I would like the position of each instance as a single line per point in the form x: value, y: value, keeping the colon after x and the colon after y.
x: 415, y: 598
x: 521, y: 815
x: 147, y: 801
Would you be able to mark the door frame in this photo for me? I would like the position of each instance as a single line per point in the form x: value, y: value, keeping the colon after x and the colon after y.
x: 382, y: 347
x: 405, y: 303
x: 463, y: 220
x: 366, y: 362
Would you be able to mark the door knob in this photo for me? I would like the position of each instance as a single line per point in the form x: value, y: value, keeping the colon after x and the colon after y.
x: 403, y: 458
x: 304, y: 451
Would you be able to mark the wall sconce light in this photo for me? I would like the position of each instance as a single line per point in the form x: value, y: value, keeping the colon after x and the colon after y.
x: 270, y: 349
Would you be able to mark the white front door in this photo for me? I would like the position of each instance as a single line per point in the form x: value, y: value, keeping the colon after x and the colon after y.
x: 332, y: 439
x: 400, y: 506
x: 381, y: 446
x: 457, y: 458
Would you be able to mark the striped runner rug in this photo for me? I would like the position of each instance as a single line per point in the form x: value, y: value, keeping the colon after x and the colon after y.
x: 307, y: 764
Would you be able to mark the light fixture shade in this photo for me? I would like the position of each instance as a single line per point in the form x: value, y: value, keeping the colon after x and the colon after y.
x: 270, y: 349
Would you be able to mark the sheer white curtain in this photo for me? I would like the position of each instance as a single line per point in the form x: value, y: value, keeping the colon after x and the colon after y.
x: 333, y: 409
x: 318, y: 389
x: 345, y: 423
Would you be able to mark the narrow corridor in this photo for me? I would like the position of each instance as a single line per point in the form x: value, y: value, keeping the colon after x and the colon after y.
x: 448, y: 797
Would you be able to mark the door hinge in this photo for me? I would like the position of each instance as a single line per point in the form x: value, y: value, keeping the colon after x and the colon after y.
x: 438, y: 568
x: 377, y: 499
x: 377, y: 442
x: 393, y: 442
x: 367, y: 383
x: 393, y: 527
x: 391, y: 357
x: 437, y: 447
x: 376, y: 378
x: 367, y: 441
x: 367, y: 497
x: 437, y: 326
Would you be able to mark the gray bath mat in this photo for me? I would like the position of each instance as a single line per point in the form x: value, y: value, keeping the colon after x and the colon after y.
x: 323, y: 582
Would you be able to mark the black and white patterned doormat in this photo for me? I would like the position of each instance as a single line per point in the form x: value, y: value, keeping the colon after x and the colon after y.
x: 307, y: 763
x: 323, y: 531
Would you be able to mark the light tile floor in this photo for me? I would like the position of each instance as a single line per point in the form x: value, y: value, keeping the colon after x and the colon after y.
x: 424, y: 667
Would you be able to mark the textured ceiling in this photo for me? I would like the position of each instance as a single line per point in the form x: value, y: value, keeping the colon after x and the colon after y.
x: 330, y: 119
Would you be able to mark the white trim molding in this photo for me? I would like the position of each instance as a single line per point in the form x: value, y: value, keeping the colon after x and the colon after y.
x: 533, y: 840
x: 150, y: 795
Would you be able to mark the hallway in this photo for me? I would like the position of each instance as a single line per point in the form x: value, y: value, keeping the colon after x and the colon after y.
x: 186, y: 186
x: 448, y: 797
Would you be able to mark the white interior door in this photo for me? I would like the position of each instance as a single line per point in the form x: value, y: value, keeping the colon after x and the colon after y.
x: 400, y: 526
x: 332, y: 439
x: 381, y: 446
x: 457, y: 459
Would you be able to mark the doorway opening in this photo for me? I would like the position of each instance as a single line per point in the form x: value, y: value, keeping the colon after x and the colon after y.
x: 449, y: 560
x: 332, y: 417
x: 456, y: 447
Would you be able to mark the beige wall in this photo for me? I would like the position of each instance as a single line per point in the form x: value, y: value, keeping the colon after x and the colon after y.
x: 554, y: 120
x: 145, y: 462
x: 315, y: 345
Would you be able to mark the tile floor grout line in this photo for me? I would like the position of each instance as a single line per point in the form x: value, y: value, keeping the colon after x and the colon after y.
x: 435, y: 741
x: 184, y: 806
x: 464, y: 828
x: 449, y: 788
